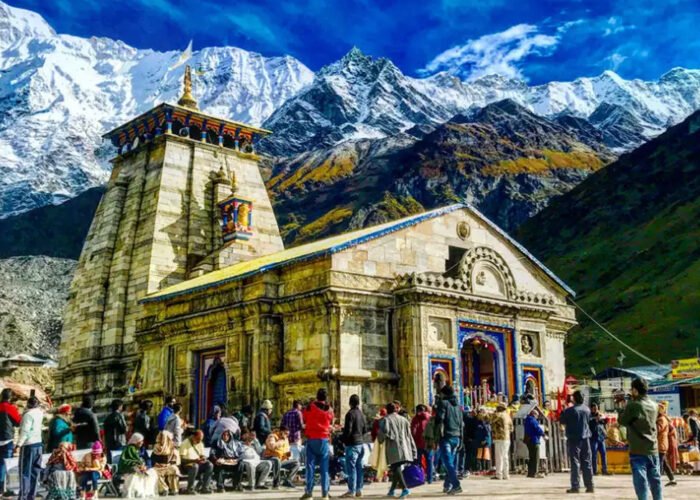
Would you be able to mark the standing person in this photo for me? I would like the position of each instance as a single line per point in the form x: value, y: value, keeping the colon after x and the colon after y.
x: 60, y: 428
x: 599, y: 431
x: 262, y: 425
x: 195, y: 464
x: 9, y: 419
x: 639, y: 416
x: 664, y: 431
x: 29, y: 448
x: 501, y: 429
x: 318, y: 416
x: 144, y: 424
x: 174, y: 424
x: 576, y: 419
x: 165, y: 413
x: 353, y: 438
x: 418, y: 424
x: 483, y: 440
x: 245, y: 418
x: 87, y: 428
x: 209, y: 424
x: 470, y: 444
x: 533, y: 435
x: 115, y: 429
x: 395, y: 433
x: 294, y: 421
x: 449, y: 419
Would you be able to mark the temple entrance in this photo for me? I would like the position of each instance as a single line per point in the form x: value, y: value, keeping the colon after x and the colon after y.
x: 479, y: 365
x: 211, y: 384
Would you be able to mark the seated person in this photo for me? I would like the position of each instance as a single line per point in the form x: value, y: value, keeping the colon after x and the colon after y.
x: 195, y: 464
x: 91, y: 468
x: 277, y: 450
x: 166, y: 460
x: 139, y: 481
x: 60, y: 473
x: 252, y: 465
x: 225, y: 454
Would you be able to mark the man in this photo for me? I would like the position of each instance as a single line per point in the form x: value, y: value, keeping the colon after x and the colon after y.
x: 87, y: 428
x: 256, y: 469
x: 210, y: 424
x: 294, y: 421
x: 278, y: 452
x: 115, y: 429
x: 174, y: 424
x: 470, y: 444
x: 353, y: 438
x: 318, y: 416
x: 144, y: 423
x: 599, y: 431
x: 578, y: 433
x: 30, y: 449
x: 449, y: 418
x: 165, y: 413
x: 418, y: 424
x: 262, y: 425
x: 694, y: 426
x: 501, y: 429
x: 639, y: 416
x: 194, y: 464
x: 9, y: 419
x: 533, y: 434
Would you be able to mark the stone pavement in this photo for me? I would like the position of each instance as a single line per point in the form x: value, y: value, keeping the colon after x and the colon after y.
x: 553, y: 487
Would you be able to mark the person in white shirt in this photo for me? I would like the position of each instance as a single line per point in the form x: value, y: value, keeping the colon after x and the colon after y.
x: 30, y: 449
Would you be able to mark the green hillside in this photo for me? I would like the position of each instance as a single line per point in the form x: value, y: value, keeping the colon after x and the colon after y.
x: 627, y: 239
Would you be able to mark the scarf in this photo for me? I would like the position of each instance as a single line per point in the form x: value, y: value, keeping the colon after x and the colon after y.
x: 228, y: 449
x: 130, y: 459
x: 164, y: 444
x: 225, y: 424
x: 63, y: 456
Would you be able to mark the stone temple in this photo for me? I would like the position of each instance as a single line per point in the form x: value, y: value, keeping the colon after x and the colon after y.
x: 184, y: 286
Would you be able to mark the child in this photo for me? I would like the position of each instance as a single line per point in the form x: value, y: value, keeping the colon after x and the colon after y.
x: 483, y: 439
x: 91, y: 468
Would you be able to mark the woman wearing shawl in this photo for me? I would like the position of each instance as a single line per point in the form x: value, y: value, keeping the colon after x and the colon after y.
x: 225, y: 454
x: 664, y: 429
x: 225, y: 424
x: 139, y: 482
x: 166, y: 460
x: 60, y: 428
x: 91, y: 468
x: 377, y: 457
x: 60, y: 473
x: 395, y: 433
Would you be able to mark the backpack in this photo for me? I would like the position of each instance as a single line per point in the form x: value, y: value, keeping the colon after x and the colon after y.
x: 431, y: 434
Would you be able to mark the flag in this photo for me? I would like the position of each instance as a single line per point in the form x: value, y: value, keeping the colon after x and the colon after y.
x: 186, y: 54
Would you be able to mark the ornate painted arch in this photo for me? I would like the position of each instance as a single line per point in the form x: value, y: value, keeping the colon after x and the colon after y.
x: 477, y: 255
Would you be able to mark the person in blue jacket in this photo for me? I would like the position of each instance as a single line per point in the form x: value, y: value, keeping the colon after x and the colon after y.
x: 166, y: 412
x: 533, y: 437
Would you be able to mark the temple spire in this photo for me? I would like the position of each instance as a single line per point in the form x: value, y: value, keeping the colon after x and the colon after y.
x: 187, y: 100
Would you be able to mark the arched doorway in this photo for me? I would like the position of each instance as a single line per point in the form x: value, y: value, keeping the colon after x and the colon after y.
x: 212, y: 384
x: 482, y: 365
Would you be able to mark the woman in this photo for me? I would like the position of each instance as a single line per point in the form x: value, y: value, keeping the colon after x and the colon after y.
x: 225, y: 454
x: 166, y: 461
x: 395, y: 433
x: 60, y: 473
x: 533, y: 435
x: 664, y: 428
x: 377, y: 457
x: 482, y: 436
x: 91, y: 468
x: 60, y: 430
x: 139, y: 482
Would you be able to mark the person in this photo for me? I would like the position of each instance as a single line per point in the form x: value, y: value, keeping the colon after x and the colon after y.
x: 665, y: 433
x: 501, y: 429
x: 210, y: 423
x: 87, y: 428
x: 431, y: 436
x: 694, y: 428
x: 533, y: 436
x: 599, y: 431
x: 60, y: 428
x: 174, y: 424
x: 470, y: 444
x: 484, y: 439
x: 252, y: 466
x: 225, y: 424
x: 9, y: 419
x: 29, y: 448
x: 377, y: 457
x: 576, y: 420
x: 245, y: 418
x: 114, y: 429
x: 91, y: 468
x: 144, y: 424
x: 294, y: 421
x: 166, y: 461
x: 139, y: 481
x: 449, y: 418
x: 278, y: 451
x: 165, y: 413
x: 194, y: 463
x: 225, y: 455
x: 395, y: 433
x: 262, y: 425
x: 639, y: 417
x: 318, y: 416
x: 353, y: 439
x: 60, y: 473
x: 418, y: 424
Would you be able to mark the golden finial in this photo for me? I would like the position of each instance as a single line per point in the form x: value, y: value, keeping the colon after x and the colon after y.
x: 187, y: 100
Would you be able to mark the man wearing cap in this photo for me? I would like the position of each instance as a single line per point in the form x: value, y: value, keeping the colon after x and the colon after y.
x: 262, y: 425
x: 9, y: 419
x: 60, y: 428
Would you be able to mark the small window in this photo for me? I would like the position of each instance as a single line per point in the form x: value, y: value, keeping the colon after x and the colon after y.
x: 452, y: 263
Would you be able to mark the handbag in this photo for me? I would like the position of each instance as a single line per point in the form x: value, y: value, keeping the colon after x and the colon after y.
x: 413, y: 475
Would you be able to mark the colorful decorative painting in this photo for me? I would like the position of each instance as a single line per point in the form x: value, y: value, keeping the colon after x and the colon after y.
x: 236, y: 219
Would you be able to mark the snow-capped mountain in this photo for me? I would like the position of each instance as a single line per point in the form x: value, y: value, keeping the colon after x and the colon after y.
x: 59, y: 93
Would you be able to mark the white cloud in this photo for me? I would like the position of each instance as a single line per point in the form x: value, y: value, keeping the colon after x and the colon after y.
x: 496, y: 53
x: 615, y: 25
x: 615, y: 60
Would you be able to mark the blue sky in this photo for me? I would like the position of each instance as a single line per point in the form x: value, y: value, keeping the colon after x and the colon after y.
x: 539, y: 40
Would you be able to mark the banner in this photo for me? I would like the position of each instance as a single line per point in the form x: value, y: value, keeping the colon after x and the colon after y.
x: 685, y: 368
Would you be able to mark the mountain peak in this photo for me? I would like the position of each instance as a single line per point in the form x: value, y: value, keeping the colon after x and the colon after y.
x: 16, y: 23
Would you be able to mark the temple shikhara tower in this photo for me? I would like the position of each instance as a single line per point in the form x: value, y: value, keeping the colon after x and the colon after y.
x: 184, y: 287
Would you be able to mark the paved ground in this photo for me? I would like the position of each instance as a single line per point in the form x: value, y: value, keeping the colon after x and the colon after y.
x: 518, y: 487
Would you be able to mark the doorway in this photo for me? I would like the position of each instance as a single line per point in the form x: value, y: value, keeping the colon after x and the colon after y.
x: 212, y: 388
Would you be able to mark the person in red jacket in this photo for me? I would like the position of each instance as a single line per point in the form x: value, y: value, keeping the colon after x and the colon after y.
x: 318, y: 416
x: 418, y: 424
x: 9, y: 419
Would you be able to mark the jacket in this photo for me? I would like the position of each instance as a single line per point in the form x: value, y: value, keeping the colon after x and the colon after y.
x: 598, y: 425
x: 640, y: 419
x: 418, y: 425
x: 395, y: 433
x: 59, y: 432
x: 115, y: 431
x: 30, y: 427
x: 318, y: 417
x: 482, y: 433
x: 163, y: 417
x: 663, y: 428
x: 143, y: 424
x: 449, y: 416
x: 470, y: 422
x: 262, y: 426
x: 276, y: 446
x: 174, y: 426
x: 9, y: 419
x: 87, y: 429
x: 501, y: 425
x: 354, y: 428
x: 576, y: 420
x: 533, y: 430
